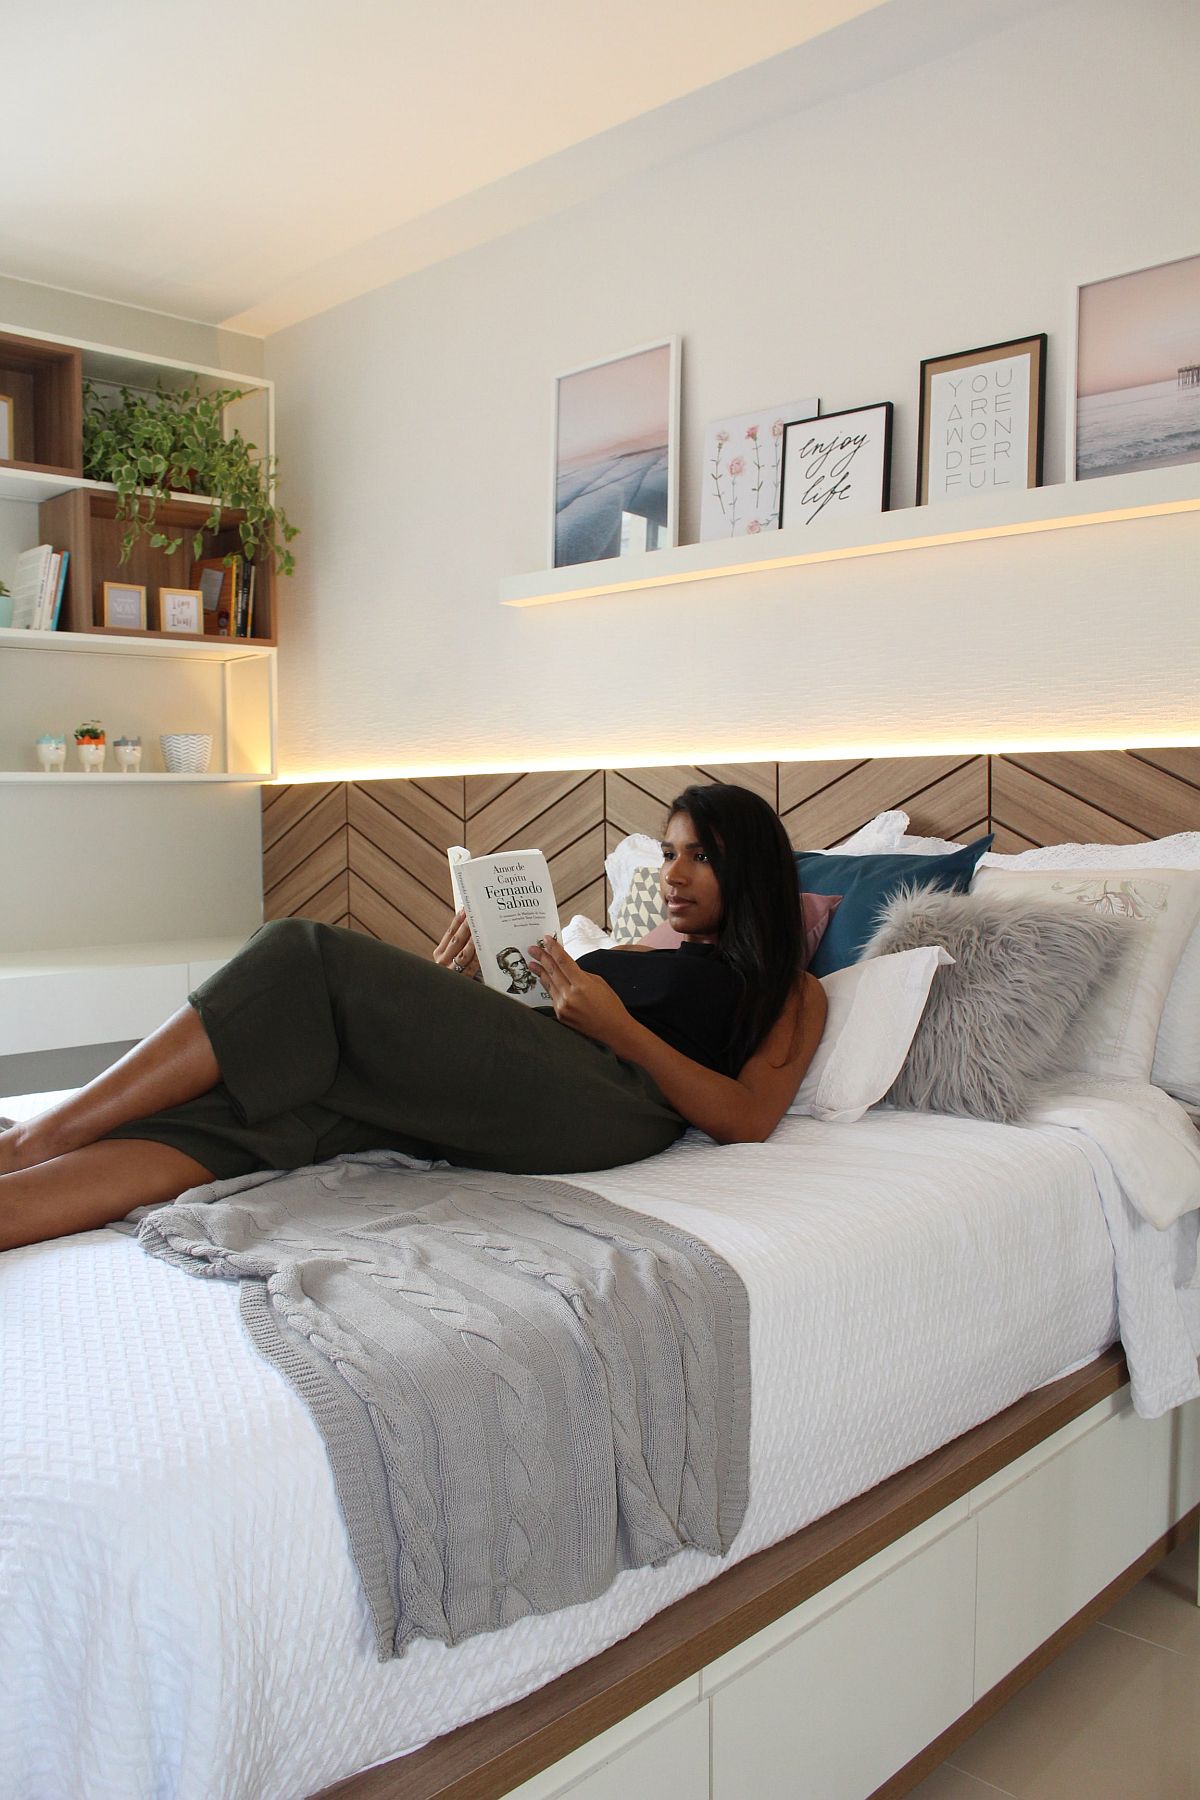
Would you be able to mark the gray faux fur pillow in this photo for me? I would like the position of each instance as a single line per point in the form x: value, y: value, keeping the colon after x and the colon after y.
x: 994, y: 1022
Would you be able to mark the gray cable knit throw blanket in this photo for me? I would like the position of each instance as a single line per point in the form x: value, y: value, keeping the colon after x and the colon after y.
x: 522, y: 1387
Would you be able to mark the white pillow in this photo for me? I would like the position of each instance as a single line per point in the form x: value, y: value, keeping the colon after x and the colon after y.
x: 874, y: 1010
x: 1177, y: 1050
x: 1116, y: 1032
x: 637, y: 851
x: 580, y: 935
x: 919, y: 846
x: 880, y: 833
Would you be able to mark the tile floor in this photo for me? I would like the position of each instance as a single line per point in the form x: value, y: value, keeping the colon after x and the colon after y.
x: 1116, y: 1717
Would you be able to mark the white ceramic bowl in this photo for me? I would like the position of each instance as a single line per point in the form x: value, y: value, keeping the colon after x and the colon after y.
x: 186, y: 752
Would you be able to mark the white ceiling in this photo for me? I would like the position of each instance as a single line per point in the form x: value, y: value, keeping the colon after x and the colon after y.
x: 250, y: 162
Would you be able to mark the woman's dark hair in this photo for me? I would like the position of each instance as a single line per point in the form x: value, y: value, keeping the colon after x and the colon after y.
x: 762, y: 929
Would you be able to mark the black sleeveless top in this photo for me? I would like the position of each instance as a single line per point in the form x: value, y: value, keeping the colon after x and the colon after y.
x: 687, y: 997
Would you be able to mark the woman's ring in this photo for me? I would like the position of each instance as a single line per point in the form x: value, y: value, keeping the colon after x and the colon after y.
x: 456, y: 965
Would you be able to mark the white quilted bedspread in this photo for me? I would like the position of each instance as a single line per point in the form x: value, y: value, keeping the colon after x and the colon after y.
x: 179, y: 1614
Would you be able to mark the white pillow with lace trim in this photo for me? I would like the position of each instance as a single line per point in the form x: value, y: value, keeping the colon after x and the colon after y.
x: 1116, y: 1033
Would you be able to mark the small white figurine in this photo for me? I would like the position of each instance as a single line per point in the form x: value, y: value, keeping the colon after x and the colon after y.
x: 128, y: 752
x: 51, y: 750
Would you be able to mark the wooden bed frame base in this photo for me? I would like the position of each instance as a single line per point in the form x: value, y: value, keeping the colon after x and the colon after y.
x: 492, y: 1755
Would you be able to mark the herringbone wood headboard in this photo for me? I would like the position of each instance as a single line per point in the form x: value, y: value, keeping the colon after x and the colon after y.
x: 372, y: 854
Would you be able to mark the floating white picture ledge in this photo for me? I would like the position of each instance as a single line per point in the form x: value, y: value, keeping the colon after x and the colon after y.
x: 1107, y: 500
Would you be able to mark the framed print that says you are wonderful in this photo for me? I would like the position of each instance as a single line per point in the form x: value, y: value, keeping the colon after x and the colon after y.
x: 980, y: 429
x: 836, y: 466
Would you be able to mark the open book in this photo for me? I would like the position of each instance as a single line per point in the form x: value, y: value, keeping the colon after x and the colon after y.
x: 509, y: 903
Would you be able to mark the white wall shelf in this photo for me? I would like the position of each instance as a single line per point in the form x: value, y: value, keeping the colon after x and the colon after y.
x: 9, y: 776
x: 34, y: 486
x: 140, y: 683
x: 91, y: 643
x: 144, y: 685
x: 1109, y: 499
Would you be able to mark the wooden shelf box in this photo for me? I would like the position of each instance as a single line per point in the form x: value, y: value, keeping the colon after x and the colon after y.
x: 85, y: 523
x: 45, y: 384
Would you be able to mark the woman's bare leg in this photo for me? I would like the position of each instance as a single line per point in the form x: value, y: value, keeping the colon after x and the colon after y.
x: 174, y: 1064
x: 91, y: 1187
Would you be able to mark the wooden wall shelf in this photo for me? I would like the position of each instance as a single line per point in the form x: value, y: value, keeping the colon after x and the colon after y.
x: 45, y: 383
x: 83, y: 520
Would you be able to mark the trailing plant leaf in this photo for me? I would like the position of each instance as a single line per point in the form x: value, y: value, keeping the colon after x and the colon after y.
x: 172, y: 441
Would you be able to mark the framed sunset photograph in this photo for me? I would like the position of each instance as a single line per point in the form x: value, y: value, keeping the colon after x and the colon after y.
x: 615, y: 461
x: 1137, y: 371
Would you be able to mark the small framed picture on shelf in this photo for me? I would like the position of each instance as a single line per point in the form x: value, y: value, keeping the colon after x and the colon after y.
x: 615, y: 457
x: 836, y: 467
x: 743, y: 470
x: 7, y: 437
x: 124, y: 606
x: 1137, y: 371
x: 181, y: 609
x: 980, y: 421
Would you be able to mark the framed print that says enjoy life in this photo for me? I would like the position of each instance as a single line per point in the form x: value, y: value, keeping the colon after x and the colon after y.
x: 837, y: 466
x: 980, y: 421
x: 616, y: 426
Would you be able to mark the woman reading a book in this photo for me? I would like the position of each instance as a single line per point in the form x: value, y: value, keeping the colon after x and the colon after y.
x: 315, y: 1041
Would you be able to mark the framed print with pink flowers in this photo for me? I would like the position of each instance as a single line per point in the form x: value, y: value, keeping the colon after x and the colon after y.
x: 615, y: 459
x: 836, y: 467
x: 743, y: 468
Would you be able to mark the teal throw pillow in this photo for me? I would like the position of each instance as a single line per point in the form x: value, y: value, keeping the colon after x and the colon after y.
x: 867, y: 883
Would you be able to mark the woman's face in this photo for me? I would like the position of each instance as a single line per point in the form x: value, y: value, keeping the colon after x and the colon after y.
x: 689, y: 883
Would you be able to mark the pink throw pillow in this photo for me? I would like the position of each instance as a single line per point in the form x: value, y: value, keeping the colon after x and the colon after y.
x: 817, y: 909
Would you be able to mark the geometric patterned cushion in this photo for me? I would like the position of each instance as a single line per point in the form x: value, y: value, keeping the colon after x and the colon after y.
x: 641, y: 909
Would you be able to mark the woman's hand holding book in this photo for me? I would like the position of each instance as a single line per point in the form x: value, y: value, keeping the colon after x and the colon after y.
x: 457, y: 950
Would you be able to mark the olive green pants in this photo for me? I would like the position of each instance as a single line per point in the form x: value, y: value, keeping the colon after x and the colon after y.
x: 329, y: 1041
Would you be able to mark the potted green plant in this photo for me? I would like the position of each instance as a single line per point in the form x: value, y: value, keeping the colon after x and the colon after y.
x: 153, y: 445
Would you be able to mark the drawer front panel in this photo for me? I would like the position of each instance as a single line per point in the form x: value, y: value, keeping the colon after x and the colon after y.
x: 838, y: 1709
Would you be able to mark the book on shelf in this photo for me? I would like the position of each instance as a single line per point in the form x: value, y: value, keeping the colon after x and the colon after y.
x: 244, y: 571
x: 56, y: 588
x: 227, y: 588
x: 37, y: 588
x: 509, y: 903
x: 214, y: 577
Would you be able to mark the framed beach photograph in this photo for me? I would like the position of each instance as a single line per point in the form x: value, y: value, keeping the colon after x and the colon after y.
x: 124, y: 605
x: 1137, y: 371
x: 981, y: 421
x: 181, y: 609
x: 837, y: 466
x: 615, y: 458
x: 743, y: 470
x: 7, y: 438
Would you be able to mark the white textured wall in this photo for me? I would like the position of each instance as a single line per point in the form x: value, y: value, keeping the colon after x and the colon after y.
x: 952, y: 206
x: 136, y: 862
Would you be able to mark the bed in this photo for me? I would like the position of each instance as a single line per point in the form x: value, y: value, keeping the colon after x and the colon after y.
x: 179, y: 1611
x: 949, y: 1475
